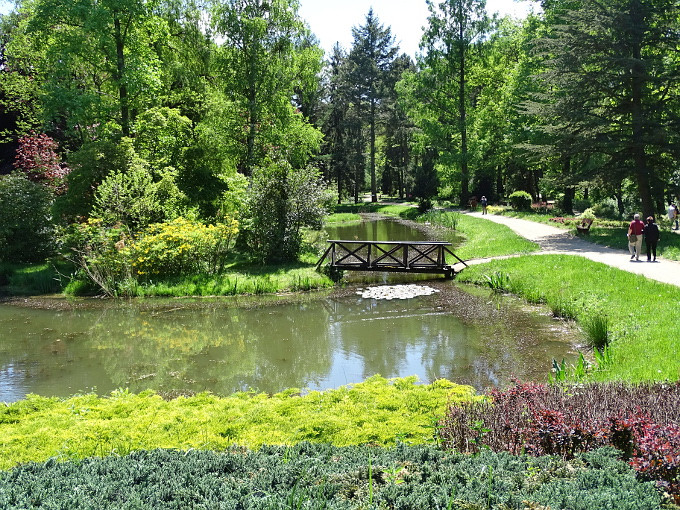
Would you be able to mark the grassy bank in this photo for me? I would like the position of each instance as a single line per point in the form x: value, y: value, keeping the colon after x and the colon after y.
x: 641, y: 314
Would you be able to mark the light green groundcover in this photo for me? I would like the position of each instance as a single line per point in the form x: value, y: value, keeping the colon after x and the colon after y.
x: 376, y: 411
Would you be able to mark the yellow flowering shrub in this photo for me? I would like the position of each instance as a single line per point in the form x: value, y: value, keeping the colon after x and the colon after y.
x: 182, y: 246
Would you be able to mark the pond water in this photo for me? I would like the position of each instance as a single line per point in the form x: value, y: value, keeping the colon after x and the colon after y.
x: 310, y: 341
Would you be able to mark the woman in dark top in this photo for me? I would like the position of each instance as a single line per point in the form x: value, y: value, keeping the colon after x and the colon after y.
x: 651, y: 233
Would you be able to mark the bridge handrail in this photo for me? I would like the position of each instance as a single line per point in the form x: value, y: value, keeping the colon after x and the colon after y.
x: 443, y: 244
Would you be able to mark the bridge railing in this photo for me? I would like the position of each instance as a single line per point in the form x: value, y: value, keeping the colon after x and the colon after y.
x: 392, y: 256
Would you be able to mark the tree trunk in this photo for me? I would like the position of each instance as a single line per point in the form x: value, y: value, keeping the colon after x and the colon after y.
x: 120, y: 71
x: 464, y: 172
x: 374, y: 194
x: 637, y: 117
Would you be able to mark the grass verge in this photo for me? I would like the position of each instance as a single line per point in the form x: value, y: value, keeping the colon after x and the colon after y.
x: 641, y: 314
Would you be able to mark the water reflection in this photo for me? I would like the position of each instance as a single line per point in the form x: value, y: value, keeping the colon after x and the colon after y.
x: 316, y: 343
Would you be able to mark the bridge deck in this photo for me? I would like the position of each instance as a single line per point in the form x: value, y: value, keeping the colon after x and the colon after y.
x: 391, y: 256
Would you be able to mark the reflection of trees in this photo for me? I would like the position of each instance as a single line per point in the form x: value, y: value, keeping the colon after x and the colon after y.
x: 214, y: 348
x: 387, y: 334
x: 383, y: 230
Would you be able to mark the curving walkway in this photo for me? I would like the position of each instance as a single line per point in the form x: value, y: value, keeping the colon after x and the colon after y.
x: 556, y: 240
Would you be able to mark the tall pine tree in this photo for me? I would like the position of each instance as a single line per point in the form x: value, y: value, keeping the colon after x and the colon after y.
x: 371, y: 57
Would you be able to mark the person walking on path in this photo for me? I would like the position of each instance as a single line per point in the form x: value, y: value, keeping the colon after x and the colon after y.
x: 635, y: 231
x: 484, y: 202
x: 651, y: 238
x: 673, y: 215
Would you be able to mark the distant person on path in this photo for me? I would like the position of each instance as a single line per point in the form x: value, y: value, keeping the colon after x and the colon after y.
x: 651, y: 238
x: 635, y: 231
x: 673, y: 215
x: 483, y: 201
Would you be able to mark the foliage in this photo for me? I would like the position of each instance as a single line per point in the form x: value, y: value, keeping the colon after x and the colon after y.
x: 134, y: 198
x: 498, y: 282
x: 520, y: 200
x: 26, y: 229
x: 37, y: 158
x: 640, y: 312
x: 376, y: 411
x: 370, y: 59
x: 325, y: 476
x: 101, y: 254
x: 640, y: 421
x: 182, y: 246
x: 596, y: 327
x: 282, y: 201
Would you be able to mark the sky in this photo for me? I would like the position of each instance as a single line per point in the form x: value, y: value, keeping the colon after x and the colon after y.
x: 332, y: 20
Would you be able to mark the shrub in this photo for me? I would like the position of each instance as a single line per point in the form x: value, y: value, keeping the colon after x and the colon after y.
x: 640, y: 421
x: 101, y: 254
x: 377, y: 411
x: 26, y: 230
x: 520, y: 201
x: 606, y: 210
x: 282, y: 200
x: 182, y: 246
x: 325, y: 476
x: 38, y: 159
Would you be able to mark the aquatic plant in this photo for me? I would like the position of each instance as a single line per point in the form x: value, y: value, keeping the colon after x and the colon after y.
x: 497, y: 281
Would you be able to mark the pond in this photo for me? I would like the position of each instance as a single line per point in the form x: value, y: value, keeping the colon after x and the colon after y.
x: 308, y: 341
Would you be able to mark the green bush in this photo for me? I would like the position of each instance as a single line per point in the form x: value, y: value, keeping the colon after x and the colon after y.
x: 377, y: 411
x: 520, y: 201
x: 324, y: 476
x: 182, y: 246
x: 606, y: 210
x: 26, y: 230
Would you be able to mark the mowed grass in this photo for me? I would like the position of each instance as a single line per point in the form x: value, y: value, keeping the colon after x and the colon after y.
x: 642, y: 314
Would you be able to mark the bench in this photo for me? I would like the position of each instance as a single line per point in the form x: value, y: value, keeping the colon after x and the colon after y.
x: 584, y: 227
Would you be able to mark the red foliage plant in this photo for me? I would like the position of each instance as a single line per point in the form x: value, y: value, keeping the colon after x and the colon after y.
x: 37, y: 157
x: 537, y: 419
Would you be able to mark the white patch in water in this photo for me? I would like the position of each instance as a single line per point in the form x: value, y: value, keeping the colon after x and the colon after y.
x: 390, y: 292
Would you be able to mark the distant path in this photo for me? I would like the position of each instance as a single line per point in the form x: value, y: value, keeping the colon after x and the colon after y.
x: 556, y: 240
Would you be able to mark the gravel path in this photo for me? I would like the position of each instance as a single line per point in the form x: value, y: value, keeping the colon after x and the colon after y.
x: 555, y: 240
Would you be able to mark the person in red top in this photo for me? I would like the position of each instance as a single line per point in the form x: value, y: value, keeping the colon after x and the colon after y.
x: 635, y: 230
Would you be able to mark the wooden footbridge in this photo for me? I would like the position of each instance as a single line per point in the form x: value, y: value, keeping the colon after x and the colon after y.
x: 391, y: 256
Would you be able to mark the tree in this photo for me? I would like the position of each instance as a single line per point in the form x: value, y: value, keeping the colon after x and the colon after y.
x: 26, y: 229
x: 37, y: 158
x: 266, y: 61
x: 399, y: 132
x: 19, y: 91
x: 455, y: 28
x: 614, y: 68
x: 282, y: 200
x: 371, y: 57
x: 100, y: 61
